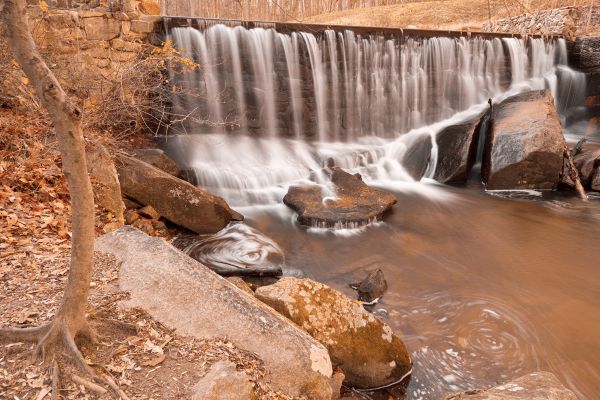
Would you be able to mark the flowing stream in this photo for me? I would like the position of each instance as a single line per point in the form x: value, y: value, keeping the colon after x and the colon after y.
x: 483, y: 286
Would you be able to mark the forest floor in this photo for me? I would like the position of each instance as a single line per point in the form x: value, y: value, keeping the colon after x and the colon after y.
x: 146, y: 359
x: 438, y: 14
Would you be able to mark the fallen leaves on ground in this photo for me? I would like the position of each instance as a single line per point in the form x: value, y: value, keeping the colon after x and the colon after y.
x: 145, y: 358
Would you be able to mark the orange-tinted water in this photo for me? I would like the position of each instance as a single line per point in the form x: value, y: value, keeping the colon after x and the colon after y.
x: 482, y: 288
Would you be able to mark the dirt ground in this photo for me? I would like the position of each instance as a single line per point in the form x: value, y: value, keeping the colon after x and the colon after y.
x: 144, y: 358
x: 439, y: 14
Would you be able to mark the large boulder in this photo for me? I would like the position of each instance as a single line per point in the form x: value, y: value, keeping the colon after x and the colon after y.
x: 223, y: 382
x: 536, y: 386
x: 595, y: 183
x: 586, y: 162
x: 159, y: 159
x: 105, y: 181
x: 174, y: 199
x: 417, y: 156
x: 457, y: 149
x: 355, y: 202
x: 524, y: 149
x: 184, y: 295
x: 366, y: 349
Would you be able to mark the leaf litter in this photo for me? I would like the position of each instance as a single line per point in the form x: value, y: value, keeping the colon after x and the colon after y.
x: 145, y: 358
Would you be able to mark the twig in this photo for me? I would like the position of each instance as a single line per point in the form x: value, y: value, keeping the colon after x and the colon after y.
x: 573, y: 174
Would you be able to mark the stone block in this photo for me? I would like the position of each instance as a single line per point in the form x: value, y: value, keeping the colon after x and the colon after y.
x: 101, y: 28
x: 141, y: 26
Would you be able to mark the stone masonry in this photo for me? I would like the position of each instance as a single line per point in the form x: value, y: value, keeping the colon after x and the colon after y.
x: 86, y: 48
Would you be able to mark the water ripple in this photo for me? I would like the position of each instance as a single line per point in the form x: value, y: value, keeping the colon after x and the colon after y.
x: 464, y: 343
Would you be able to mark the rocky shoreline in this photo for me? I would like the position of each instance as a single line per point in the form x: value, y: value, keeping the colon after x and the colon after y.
x: 324, y: 341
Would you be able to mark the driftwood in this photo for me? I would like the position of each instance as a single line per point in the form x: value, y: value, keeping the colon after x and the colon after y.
x: 573, y: 174
x: 578, y: 147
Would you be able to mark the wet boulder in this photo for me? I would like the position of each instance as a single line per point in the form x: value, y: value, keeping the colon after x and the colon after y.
x: 159, y: 159
x: 535, y: 386
x: 174, y: 199
x: 365, y: 349
x: 417, y: 157
x: 237, y: 250
x: 586, y: 162
x: 595, y: 184
x: 355, y: 203
x: 457, y: 148
x: 372, y: 288
x: 524, y: 149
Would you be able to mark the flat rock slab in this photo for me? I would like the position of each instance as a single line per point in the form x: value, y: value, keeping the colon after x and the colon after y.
x: 355, y: 202
x: 524, y: 149
x: 536, y: 386
x: 183, y: 294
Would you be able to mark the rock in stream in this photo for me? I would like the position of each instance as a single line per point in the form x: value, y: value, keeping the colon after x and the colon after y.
x: 365, y: 348
x: 355, y: 203
x: 236, y: 250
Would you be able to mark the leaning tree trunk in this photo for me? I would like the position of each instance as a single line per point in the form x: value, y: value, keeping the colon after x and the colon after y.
x: 70, y: 318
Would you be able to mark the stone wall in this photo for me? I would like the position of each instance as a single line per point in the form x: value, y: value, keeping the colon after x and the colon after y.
x: 585, y: 53
x: 567, y: 21
x: 89, y: 50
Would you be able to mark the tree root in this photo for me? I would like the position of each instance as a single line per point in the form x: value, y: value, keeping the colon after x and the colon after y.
x: 56, y: 338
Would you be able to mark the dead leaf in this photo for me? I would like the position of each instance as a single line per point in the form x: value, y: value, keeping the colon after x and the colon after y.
x: 155, y: 361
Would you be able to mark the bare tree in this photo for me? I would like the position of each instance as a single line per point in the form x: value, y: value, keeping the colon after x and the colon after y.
x: 58, y: 336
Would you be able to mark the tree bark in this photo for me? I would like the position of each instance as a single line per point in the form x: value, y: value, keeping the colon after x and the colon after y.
x: 70, y: 318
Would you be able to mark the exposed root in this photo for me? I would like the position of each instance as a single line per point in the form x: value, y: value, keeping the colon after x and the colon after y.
x: 55, y: 380
x: 28, y: 334
x: 56, y: 337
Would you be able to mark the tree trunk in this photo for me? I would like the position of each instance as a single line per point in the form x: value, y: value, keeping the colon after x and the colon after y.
x: 65, y: 117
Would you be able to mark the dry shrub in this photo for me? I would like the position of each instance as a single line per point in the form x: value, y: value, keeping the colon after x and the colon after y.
x: 137, y: 96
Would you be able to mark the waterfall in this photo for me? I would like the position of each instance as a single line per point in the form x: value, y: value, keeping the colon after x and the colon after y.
x: 269, y: 108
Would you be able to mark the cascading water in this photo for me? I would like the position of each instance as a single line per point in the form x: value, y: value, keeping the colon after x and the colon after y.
x: 282, y: 104
x: 478, y: 297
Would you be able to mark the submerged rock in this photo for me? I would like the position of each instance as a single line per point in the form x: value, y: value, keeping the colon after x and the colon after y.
x: 184, y: 295
x: 536, y: 386
x: 457, y: 148
x: 524, y: 149
x: 372, y: 287
x: 366, y: 349
x: 223, y: 382
x: 174, y: 199
x: 236, y: 250
x: 355, y: 202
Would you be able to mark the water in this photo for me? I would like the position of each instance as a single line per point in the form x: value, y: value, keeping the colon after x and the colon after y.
x: 341, y: 86
x: 483, y: 289
x: 484, y: 286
